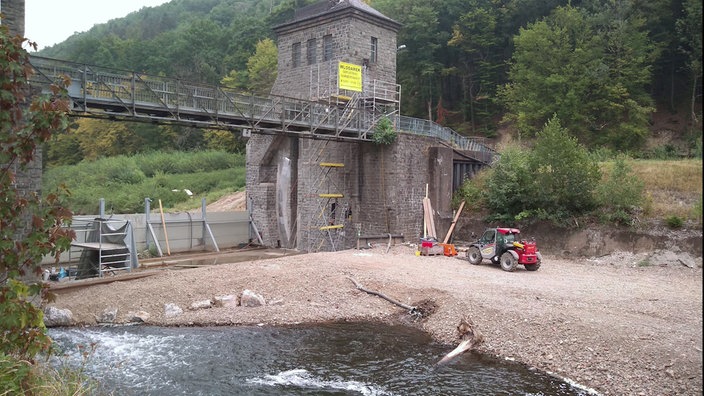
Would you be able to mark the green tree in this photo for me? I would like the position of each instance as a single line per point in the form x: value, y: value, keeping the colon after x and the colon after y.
x: 554, y: 181
x: 30, y: 227
x: 509, y: 185
x: 620, y: 194
x: 261, y: 70
x: 624, y: 106
x: 63, y: 149
x: 223, y: 140
x: 262, y: 67
x: 196, y: 53
x: 591, y: 72
x: 104, y: 138
x: 475, y: 34
x: 564, y: 174
x: 419, y: 67
x: 689, y: 28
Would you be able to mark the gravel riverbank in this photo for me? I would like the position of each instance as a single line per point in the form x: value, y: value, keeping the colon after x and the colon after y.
x: 622, y: 324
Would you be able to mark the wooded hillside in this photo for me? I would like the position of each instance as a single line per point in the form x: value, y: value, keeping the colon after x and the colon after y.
x: 607, y: 70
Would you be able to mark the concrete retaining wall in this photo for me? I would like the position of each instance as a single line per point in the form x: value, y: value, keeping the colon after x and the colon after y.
x: 185, y: 232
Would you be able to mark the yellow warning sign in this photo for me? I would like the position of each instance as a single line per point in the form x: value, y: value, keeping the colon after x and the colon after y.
x: 350, y: 77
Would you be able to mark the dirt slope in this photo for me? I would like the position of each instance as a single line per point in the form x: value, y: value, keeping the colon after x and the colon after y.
x: 230, y: 203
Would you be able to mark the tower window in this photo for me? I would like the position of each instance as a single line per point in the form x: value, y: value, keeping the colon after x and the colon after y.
x: 312, y: 52
x: 374, y: 50
x: 327, y: 47
x: 296, y: 54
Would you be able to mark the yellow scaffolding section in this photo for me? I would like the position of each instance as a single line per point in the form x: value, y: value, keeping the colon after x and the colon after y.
x: 327, y: 226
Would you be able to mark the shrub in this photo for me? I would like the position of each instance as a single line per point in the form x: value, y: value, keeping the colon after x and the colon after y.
x: 14, y: 373
x: 472, y: 192
x: 563, y: 172
x: 674, y: 222
x: 602, y: 154
x: 122, y: 170
x: 384, y: 132
x: 509, y: 185
x: 697, y: 210
x: 620, y: 193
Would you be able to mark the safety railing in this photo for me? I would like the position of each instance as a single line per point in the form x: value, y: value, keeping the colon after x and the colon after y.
x: 101, y: 90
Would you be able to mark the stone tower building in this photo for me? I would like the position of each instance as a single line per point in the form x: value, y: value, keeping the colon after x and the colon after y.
x: 319, y: 195
x: 324, y: 34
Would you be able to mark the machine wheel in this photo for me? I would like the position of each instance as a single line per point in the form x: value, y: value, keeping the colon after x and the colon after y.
x: 508, y: 262
x: 532, y: 267
x: 474, y: 255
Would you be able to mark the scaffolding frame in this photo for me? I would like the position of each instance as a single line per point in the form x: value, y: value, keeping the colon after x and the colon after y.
x: 329, y: 220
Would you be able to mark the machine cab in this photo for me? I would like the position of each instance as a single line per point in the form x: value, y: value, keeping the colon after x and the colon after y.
x: 494, y: 241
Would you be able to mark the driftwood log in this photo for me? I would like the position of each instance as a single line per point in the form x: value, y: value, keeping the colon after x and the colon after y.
x: 411, y: 309
x: 470, y: 336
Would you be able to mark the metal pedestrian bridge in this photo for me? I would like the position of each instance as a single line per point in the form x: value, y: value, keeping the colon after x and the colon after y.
x: 110, y: 93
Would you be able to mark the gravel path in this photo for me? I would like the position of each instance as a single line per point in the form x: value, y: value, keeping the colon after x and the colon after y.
x: 613, y: 324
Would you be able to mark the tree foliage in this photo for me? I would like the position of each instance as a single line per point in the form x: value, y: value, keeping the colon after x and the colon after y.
x: 261, y: 67
x: 620, y: 194
x: 384, y: 132
x: 564, y: 174
x: 689, y: 29
x: 555, y: 180
x: 475, y: 33
x: 601, y: 65
x: 591, y: 71
x: 509, y: 184
x: 30, y: 227
x: 261, y: 70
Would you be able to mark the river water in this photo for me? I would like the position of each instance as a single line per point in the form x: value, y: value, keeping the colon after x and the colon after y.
x: 336, y: 359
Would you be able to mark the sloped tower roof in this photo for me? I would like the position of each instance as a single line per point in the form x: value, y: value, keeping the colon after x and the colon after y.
x: 332, y: 8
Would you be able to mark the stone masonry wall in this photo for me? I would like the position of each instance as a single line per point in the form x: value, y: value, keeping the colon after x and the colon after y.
x: 315, y: 211
x: 395, y: 179
x: 383, y: 188
x: 13, y: 10
x: 351, y: 40
x: 261, y: 187
x: 29, y: 179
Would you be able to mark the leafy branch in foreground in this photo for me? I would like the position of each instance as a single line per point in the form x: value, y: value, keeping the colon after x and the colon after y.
x: 30, y: 227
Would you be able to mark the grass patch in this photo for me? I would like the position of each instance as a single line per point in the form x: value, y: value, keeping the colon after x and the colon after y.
x: 644, y: 263
x: 125, y: 182
x: 19, y: 377
x: 673, y: 188
x: 678, y: 176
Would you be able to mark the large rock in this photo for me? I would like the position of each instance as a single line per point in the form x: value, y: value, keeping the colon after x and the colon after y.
x: 204, y: 304
x: 108, y: 315
x: 227, y: 301
x: 251, y: 299
x: 57, y: 317
x: 138, y: 317
x: 172, y: 310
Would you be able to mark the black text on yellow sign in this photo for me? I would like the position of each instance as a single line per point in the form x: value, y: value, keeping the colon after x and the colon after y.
x: 350, y: 77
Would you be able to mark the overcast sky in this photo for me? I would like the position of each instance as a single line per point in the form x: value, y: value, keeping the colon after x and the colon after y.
x: 48, y: 22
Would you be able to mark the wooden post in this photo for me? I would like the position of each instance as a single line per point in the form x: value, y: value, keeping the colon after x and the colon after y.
x: 454, y: 221
x: 163, y: 224
x: 425, y: 223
